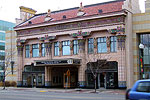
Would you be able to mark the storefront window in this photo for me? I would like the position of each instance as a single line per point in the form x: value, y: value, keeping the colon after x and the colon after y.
x: 66, y: 48
x: 27, y: 51
x: 145, y: 55
x: 75, y: 47
x: 56, y: 46
x: 102, y: 46
x: 113, y: 45
x: 90, y: 45
x: 43, y: 50
x: 35, y: 50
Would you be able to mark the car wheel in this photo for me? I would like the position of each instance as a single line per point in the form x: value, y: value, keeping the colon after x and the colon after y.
x: 127, y: 94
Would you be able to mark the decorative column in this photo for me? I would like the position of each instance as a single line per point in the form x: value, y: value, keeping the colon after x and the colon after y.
x: 121, y: 38
x: 71, y: 47
x: 121, y: 65
x: 48, y: 44
x: 81, y: 41
x: 48, y: 50
x: 81, y: 70
x: 40, y: 49
x: 108, y: 43
x: 60, y: 48
x: 47, y: 76
x: 95, y: 45
x: 20, y: 62
x: 30, y: 50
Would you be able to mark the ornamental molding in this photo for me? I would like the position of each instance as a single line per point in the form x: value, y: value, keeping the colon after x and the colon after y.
x: 21, y: 42
x: 71, y: 26
x: 118, y: 30
x: 47, y: 38
x: 80, y: 34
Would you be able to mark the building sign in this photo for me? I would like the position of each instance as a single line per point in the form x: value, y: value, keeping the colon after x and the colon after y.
x: 58, y: 62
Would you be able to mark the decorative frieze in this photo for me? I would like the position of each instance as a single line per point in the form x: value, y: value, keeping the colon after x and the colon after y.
x: 48, y: 46
x: 80, y: 33
x: 20, y: 49
x: 48, y: 38
x: 119, y: 29
x: 71, y: 26
x: 121, y: 41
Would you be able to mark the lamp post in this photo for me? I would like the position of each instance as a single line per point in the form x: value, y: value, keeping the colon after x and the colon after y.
x: 141, y: 47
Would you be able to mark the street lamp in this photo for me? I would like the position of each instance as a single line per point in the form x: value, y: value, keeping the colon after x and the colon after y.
x: 141, y: 47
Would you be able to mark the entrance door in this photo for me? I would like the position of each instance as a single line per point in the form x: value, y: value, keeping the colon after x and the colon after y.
x: 67, y: 79
x: 34, y: 80
x: 102, y: 80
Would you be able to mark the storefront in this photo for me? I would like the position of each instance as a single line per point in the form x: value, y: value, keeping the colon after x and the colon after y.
x: 107, y: 76
x: 144, y: 58
x: 33, y: 76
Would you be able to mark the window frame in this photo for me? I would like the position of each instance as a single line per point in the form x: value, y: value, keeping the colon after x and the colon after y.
x: 43, y: 47
x: 35, y: 49
x: 75, y: 47
x: 56, y: 48
x: 113, y: 44
x: 66, y: 44
x: 101, y: 42
x: 26, y: 51
x: 90, y: 46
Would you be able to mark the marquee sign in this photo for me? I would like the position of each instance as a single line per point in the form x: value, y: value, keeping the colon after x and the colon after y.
x: 58, y: 62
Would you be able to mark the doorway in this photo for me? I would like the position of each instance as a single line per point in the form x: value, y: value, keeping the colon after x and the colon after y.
x: 102, y: 79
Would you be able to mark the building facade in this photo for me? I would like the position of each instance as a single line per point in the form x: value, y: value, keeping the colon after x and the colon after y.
x: 141, y: 43
x: 57, y: 49
x: 11, y: 56
x: 4, y: 26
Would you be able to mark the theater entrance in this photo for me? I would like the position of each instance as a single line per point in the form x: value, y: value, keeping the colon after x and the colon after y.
x: 64, y: 77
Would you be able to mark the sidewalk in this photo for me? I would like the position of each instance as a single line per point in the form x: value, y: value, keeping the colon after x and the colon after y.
x: 112, y: 91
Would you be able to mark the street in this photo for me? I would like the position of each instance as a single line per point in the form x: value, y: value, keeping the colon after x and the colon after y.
x: 42, y: 95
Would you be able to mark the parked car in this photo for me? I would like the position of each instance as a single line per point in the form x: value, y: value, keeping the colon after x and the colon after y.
x: 139, y: 91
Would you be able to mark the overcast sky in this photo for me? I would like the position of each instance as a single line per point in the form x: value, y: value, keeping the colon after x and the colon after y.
x: 9, y: 9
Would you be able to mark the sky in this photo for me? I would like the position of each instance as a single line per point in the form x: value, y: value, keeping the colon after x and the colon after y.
x: 9, y: 9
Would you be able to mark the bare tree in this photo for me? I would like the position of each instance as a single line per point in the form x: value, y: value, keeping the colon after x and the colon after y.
x: 96, y: 63
x: 9, y: 54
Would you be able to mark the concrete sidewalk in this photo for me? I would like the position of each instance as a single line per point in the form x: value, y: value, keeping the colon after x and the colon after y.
x: 77, y: 90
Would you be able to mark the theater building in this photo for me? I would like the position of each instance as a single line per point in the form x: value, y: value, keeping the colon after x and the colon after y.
x: 55, y: 48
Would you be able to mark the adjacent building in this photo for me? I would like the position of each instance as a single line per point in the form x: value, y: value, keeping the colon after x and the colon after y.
x: 141, y: 43
x: 57, y: 49
x: 4, y: 26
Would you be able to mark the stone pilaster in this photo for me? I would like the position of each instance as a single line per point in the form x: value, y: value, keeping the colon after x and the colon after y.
x: 40, y: 49
x: 81, y: 70
x: 20, y: 64
x: 121, y: 64
x: 60, y: 48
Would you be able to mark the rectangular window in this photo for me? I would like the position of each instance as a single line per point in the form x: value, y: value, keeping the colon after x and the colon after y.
x: 66, y: 48
x: 43, y: 50
x: 113, y: 45
x: 101, y: 45
x: 75, y: 47
x: 91, y: 45
x: 35, y: 50
x: 27, y: 47
x: 56, y: 48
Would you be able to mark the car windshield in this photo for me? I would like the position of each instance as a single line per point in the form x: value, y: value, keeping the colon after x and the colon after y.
x: 143, y: 87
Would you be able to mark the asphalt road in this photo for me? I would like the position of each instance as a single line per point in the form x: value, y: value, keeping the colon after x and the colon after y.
x: 37, y: 95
